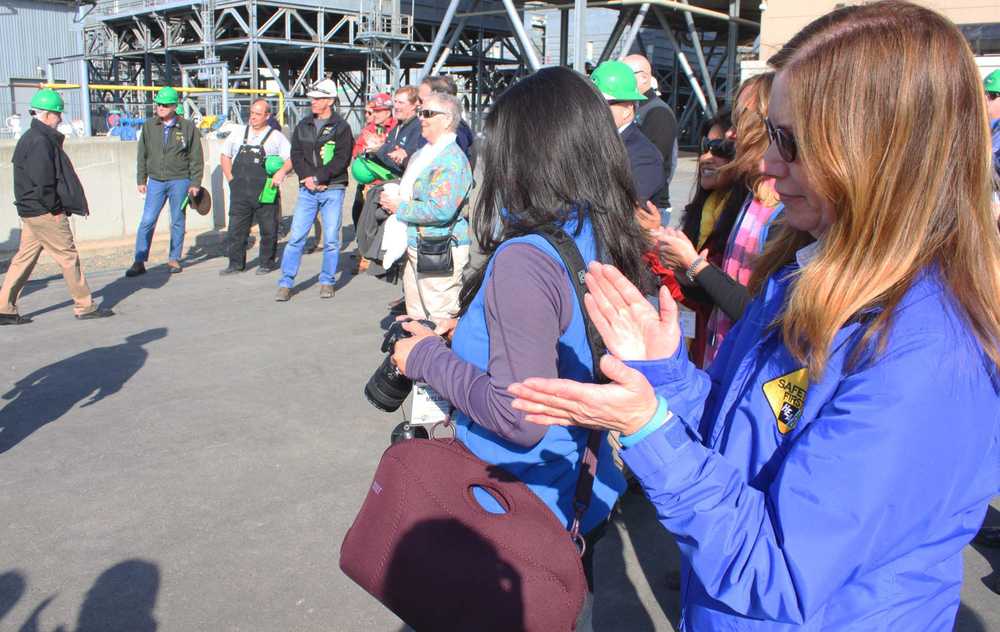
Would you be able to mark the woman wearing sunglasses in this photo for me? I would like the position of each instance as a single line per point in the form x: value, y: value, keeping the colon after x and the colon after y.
x: 731, y: 233
x: 828, y: 470
x: 429, y: 200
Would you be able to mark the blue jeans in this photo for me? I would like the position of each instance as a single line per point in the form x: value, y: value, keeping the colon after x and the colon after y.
x: 157, y: 193
x: 328, y: 204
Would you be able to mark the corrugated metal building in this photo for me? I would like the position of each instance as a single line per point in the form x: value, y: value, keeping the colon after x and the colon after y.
x: 33, y: 32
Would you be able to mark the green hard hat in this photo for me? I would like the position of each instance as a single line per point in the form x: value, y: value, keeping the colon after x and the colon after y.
x: 167, y: 96
x: 366, y: 171
x: 47, y: 99
x: 616, y: 81
x: 992, y: 81
x: 272, y: 164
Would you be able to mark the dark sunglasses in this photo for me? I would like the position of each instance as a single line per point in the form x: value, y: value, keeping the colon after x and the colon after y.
x: 721, y: 148
x: 429, y: 113
x: 783, y: 140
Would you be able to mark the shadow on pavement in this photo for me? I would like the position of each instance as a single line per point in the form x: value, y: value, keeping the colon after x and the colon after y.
x: 990, y: 553
x: 618, y: 602
x: 50, y: 392
x: 115, y: 292
x: 12, y: 585
x: 122, y: 599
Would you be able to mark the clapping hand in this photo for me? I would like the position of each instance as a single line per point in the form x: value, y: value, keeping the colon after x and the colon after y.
x: 632, y: 330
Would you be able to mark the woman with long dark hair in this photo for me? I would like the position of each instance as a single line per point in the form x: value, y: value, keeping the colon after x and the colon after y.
x: 552, y: 160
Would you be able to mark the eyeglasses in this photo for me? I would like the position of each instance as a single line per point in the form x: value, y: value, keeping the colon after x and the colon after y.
x: 429, y: 113
x: 783, y: 140
x: 721, y: 148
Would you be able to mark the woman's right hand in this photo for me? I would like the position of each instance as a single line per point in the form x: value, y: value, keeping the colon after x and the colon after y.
x: 626, y: 404
x: 630, y: 326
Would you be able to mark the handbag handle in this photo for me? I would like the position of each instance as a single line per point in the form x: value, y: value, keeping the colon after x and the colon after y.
x: 573, y: 260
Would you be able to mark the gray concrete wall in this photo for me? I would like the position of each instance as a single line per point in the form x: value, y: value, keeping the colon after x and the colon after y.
x: 106, y: 167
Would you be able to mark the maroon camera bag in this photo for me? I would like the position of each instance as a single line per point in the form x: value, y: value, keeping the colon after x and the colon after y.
x: 424, y: 546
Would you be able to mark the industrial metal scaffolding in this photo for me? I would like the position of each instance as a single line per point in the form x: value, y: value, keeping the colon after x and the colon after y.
x: 374, y: 45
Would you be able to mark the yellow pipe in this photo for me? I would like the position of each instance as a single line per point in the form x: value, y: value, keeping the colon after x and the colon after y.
x: 107, y: 86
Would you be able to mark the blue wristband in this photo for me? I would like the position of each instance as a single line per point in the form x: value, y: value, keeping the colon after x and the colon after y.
x: 659, y: 418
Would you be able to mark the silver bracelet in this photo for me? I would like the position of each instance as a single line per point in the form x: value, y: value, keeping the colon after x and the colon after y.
x: 689, y: 273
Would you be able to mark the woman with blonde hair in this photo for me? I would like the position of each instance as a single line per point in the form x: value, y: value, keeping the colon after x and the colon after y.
x: 828, y: 470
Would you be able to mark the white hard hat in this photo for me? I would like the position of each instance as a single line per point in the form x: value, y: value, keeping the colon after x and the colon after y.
x: 325, y: 89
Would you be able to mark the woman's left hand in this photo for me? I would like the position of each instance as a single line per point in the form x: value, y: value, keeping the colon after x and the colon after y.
x: 625, y: 405
x: 676, y: 249
x: 388, y: 201
x: 405, y: 345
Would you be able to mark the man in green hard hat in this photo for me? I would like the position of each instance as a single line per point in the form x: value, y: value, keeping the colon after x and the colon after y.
x: 243, y: 161
x: 616, y: 81
x: 169, y: 166
x: 46, y: 192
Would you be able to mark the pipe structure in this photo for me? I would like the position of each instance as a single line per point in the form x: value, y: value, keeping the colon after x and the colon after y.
x: 452, y: 41
x: 681, y: 57
x: 580, y: 15
x: 666, y: 4
x: 526, y: 46
x: 616, y: 34
x: 702, y: 64
x: 112, y: 88
x: 563, y: 36
x: 636, y: 25
x: 438, y: 40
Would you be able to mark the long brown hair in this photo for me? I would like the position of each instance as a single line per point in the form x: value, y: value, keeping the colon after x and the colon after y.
x: 751, y: 136
x: 891, y: 128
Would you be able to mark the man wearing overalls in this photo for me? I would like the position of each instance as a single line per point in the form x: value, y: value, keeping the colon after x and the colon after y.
x: 321, y: 151
x: 242, y: 160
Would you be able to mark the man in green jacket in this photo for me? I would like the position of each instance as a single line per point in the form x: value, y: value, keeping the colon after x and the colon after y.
x: 169, y: 165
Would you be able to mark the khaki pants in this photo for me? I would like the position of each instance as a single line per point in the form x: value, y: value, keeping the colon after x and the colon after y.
x: 51, y: 233
x: 433, y: 297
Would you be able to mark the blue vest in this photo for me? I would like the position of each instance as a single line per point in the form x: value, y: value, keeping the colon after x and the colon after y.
x: 550, y: 468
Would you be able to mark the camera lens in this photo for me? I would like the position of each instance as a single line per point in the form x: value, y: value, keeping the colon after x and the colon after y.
x: 387, y: 388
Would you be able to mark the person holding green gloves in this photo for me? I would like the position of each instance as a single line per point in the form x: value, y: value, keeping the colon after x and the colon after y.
x: 321, y: 154
x: 169, y: 165
x: 245, y: 160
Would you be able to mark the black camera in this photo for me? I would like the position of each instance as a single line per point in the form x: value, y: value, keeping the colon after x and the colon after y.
x: 387, y: 388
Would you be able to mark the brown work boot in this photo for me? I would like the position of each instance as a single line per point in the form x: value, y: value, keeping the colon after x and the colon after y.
x: 325, y: 291
x: 283, y: 294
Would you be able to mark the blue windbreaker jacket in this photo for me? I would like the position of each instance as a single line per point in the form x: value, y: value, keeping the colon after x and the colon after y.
x: 838, y: 503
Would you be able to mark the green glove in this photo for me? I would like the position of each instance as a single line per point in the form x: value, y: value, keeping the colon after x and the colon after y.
x: 327, y: 152
x: 269, y: 194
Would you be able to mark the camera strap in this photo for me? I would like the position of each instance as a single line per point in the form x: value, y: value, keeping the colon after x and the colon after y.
x: 573, y: 260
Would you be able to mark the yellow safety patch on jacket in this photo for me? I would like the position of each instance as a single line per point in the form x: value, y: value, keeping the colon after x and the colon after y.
x: 787, y: 397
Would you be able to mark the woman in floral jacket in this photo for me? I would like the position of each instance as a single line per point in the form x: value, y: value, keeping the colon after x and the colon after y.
x: 429, y: 199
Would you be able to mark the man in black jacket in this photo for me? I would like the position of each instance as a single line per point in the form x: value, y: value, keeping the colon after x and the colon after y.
x: 46, y: 192
x: 658, y: 122
x: 321, y: 151
x: 404, y: 139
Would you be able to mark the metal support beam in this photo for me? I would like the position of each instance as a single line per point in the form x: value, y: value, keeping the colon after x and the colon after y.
x: 702, y: 66
x: 667, y: 4
x: 438, y: 40
x: 640, y: 17
x: 527, y: 48
x: 563, y: 37
x: 681, y: 57
x: 579, y: 34
x: 456, y: 33
x: 731, y: 71
x: 616, y: 33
